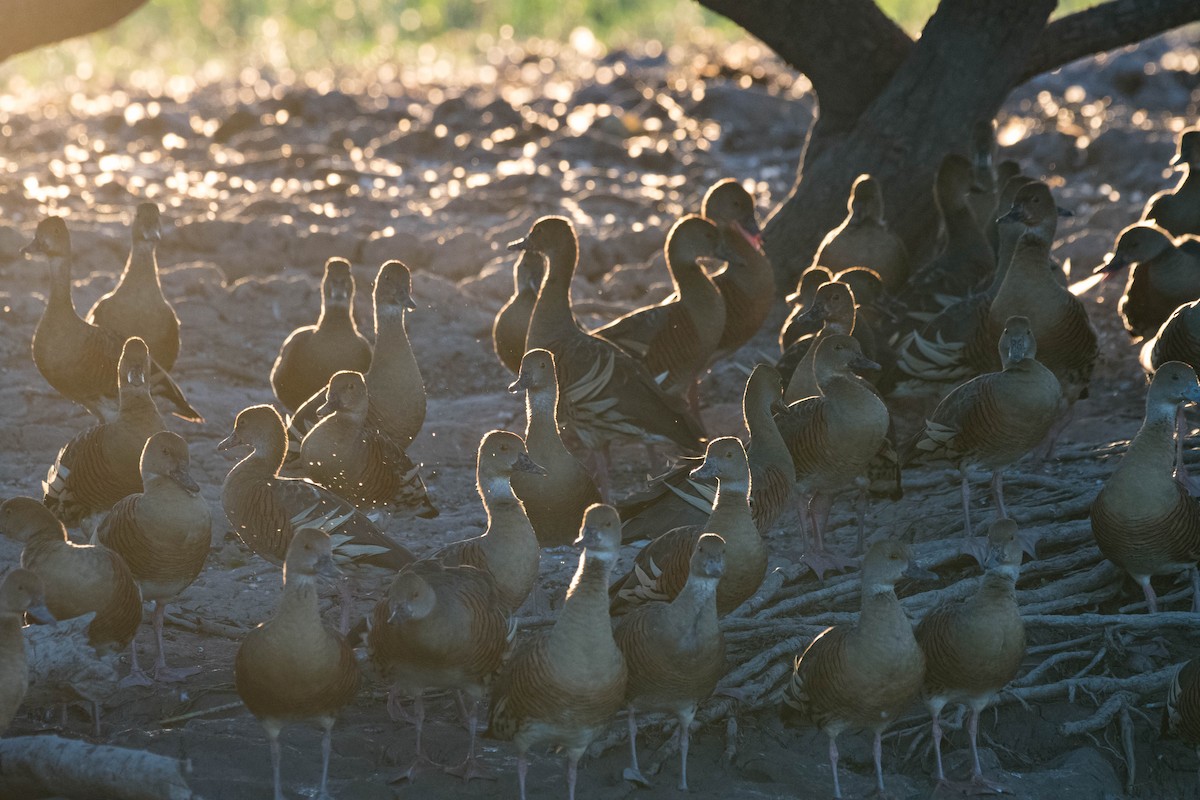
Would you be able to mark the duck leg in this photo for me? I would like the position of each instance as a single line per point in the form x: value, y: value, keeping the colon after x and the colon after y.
x: 471, y: 768
x: 633, y: 772
x: 573, y: 757
x: 877, y: 751
x: 422, y: 761
x: 833, y: 762
x: 276, y: 758
x: 162, y: 672
x: 1148, y: 590
x: 685, y: 735
x: 522, y: 766
x: 817, y: 557
x: 326, y: 751
x: 136, y: 677
x: 977, y: 779
x: 973, y: 546
x: 936, y: 713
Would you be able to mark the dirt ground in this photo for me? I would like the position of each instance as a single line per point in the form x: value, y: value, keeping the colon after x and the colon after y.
x: 261, y: 180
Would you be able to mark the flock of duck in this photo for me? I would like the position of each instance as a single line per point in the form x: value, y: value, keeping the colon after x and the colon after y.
x: 990, y: 313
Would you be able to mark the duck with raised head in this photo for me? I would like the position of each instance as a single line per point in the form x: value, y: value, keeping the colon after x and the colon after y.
x: 974, y: 646
x: 1006, y: 172
x: 604, y: 392
x: 78, y: 578
x: 440, y: 627
x: 1144, y: 521
x: 137, y: 307
x: 511, y: 325
x: 563, y: 686
x: 679, y: 498
x: 311, y: 354
x: 676, y: 339
x: 21, y: 593
x: 101, y: 466
x: 798, y: 323
x: 833, y: 305
x: 294, y: 668
x: 164, y: 534
x: 555, y: 501
x: 1165, y: 274
x: 508, y: 548
x: 346, y: 455
x: 833, y: 438
x: 675, y: 652
x: 1178, y: 210
x: 78, y: 359
x: 394, y: 383
x: 864, y: 239
x: 266, y: 510
x: 660, y: 569
x: 747, y: 282
x: 862, y: 676
x: 993, y: 420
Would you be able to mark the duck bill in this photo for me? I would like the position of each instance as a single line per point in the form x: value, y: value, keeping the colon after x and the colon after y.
x: 32, y: 249
x: 229, y: 442
x: 1015, y: 214
x: 705, y: 470
x: 751, y: 233
x: 40, y: 614
x: 863, y: 363
x: 588, y: 538
x: 1064, y: 212
x: 519, y: 245
x: 918, y: 573
x: 328, y: 407
x: 1113, y: 263
x: 185, y: 479
x: 519, y: 385
x: 526, y: 464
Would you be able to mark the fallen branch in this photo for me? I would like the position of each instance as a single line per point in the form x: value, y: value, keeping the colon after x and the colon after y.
x: 50, y: 766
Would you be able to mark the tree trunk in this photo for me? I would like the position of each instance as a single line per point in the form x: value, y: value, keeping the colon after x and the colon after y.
x: 33, y: 23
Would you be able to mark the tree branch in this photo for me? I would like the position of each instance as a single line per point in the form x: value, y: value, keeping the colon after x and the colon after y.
x: 33, y: 23
x: 849, y: 49
x: 1104, y: 27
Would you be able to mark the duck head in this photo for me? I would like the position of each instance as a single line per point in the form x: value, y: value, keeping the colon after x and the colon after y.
x: 600, y: 534
x: 346, y: 392
x: 865, y: 284
x: 1136, y: 244
x: 887, y: 562
x: 166, y: 455
x: 730, y: 206
x: 337, y: 285
x: 50, y: 240
x: 23, y: 517
x: 866, y: 200
x: 22, y: 592
x: 309, y: 555
x: 537, y: 372
x: 708, y: 557
x: 840, y: 354
x: 1173, y: 383
x: 693, y: 240
x: 953, y: 182
x: 764, y: 389
x: 501, y: 453
x: 810, y: 280
x: 1017, y: 342
x: 410, y: 597
x: 134, y: 364
x: 393, y: 289
x: 833, y: 302
x: 257, y: 426
x: 554, y: 239
x: 1004, y: 549
x: 725, y: 460
x: 147, y: 225
x: 1033, y: 206
x: 1188, y: 153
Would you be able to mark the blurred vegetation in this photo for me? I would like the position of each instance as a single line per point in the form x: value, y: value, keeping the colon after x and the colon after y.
x: 194, y: 35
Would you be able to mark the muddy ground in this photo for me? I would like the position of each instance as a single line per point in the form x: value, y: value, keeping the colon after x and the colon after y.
x: 262, y: 179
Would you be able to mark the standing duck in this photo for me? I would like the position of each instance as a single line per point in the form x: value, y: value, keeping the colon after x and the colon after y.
x: 1143, y: 519
x: 346, y: 455
x: 440, y: 627
x: 833, y: 306
x: 993, y: 420
x: 864, y: 240
x: 660, y: 569
x: 102, y: 465
x: 164, y: 534
x: 394, y: 381
x: 21, y: 593
x: 607, y: 393
x: 266, y: 510
x: 563, y: 686
x: 678, y: 498
x: 292, y: 667
x: 555, y: 501
x: 508, y: 549
x: 1165, y: 275
x: 675, y: 652
x: 833, y: 438
x: 747, y: 282
x: 311, y: 354
x: 864, y: 675
x: 676, y: 338
x: 137, y: 306
x: 511, y: 325
x: 75, y: 357
x: 78, y: 578
x: 974, y: 646
x: 1178, y: 210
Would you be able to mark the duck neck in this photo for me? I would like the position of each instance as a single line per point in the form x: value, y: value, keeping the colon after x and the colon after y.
x: 42, y: 541
x: 299, y: 601
x: 881, y: 612
x: 764, y: 438
x: 136, y: 403
x: 695, y: 606
x: 585, y: 612
x: 265, y: 459
x: 1189, y: 184
x: 999, y: 583
x: 962, y: 229
x: 1154, y: 445
x: 689, y: 278
x: 499, y: 501
x: 731, y: 508
x: 1009, y: 233
x: 335, y: 317
x: 552, y: 314
x: 844, y: 391
x: 142, y: 266
x: 541, y: 428
x: 60, y: 285
x: 391, y: 338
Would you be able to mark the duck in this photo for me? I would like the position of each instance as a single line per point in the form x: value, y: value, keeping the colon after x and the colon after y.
x: 605, y: 392
x: 266, y: 510
x: 100, y: 466
x: 993, y: 420
x: 678, y: 498
x: 508, y: 548
x: 563, y: 686
x: 394, y: 378
x: 660, y: 570
x: 675, y: 652
x: 1006, y: 171
x: 1143, y: 519
x: 1178, y: 339
x: 833, y: 305
x: 137, y: 307
x: 311, y: 354
x: 293, y: 667
x: 78, y: 359
x: 1165, y: 275
x: 1178, y: 210
x: 798, y: 324
x: 21, y: 593
x: 982, y: 149
x: 164, y: 534
x: 676, y: 339
x: 974, y: 646
x: 864, y: 239
x: 747, y: 282
x: 833, y: 438
x: 556, y: 498
x: 512, y: 320
x: 863, y: 675
x: 1181, y: 714
x: 440, y: 627
x: 78, y: 578
x: 346, y: 455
